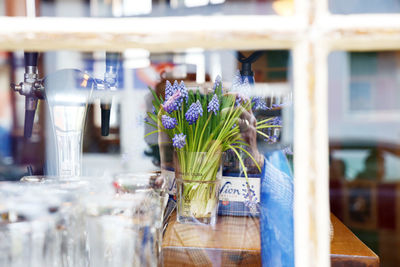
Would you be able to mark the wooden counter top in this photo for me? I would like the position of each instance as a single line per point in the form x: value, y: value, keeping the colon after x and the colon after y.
x: 348, y: 250
x: 235, y: 241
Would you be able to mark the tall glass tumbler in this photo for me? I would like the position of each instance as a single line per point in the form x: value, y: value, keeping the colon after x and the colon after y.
x: 150, y: 212
x: 27, y: 232
x: 64, y: 200
x: 112, y: 230
x: 67, y: 94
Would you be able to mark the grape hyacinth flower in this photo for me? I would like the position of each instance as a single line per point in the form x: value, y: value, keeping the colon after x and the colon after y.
x: 240, y: 99
x: 277, y: 121
x: 213, y: 106
x: 194, y: 112
x: 179, y: 140
x: 281, y: 105
x: 168, y: 90
x: 168, y: 122
x: 217, y: 83
x: 259, y: 103
x: 251, y: 200
x: 184, y: 91
x: 175, y: 87
x: 172, y: 103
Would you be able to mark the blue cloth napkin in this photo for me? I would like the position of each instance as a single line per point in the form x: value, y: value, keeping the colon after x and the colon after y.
x: 276, y: 207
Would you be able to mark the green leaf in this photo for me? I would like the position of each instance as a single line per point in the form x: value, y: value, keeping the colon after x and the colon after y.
x: 153, y: 132
x: 152, y: 125
x: 263, y: 134
x: 241, y: 162
x: 250, y: 156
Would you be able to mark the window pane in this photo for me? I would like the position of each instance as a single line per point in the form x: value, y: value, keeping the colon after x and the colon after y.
x: 247, y: 114
x: 367, y: 6
x: 364, y: 128
x: 160, y: 8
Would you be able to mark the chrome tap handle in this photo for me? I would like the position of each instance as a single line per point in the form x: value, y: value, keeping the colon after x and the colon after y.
x: 32, y: 88
x: 110, y: 83
x: 30, y: 78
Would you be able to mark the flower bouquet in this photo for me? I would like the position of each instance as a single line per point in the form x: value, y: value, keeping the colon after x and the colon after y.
x: 201, y: 127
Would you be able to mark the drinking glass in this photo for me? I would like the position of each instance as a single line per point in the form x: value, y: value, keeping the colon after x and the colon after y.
x: 70, y: 225
x: 115, y: 232
x: 27, y: 229
x: 67, y: 94
x: 153, y: 185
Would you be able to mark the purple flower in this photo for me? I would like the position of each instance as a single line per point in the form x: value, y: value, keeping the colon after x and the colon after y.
x: 240, y: 99
x: 153, y: 110
x: 272, y: 139
x: 168, y: 90
x: 194, y: 112
x: 184, y: 91
x: 259, y: 103
x: 213, y: 106
x: 217, y: 83
x: 172, y: 103
x: 277, y: 121
x: 179, y: 140
x: 168, y: 122
x: 282, y: 105
x: 176, y: 88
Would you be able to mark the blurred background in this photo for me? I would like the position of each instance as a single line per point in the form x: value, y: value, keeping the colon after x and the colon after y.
x: 363, y: 105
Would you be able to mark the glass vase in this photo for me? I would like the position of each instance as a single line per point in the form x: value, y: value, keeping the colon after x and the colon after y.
x: 198, y: 177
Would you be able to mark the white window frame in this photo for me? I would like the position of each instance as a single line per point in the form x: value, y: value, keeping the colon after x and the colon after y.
x: 311, y: 34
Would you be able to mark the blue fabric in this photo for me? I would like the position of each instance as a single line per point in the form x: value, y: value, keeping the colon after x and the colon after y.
x: 5, y: 143
x: 276, y: 220
x: 236, y: 208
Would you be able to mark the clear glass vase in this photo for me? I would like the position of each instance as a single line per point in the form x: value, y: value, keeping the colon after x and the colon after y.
x: 198, y: 176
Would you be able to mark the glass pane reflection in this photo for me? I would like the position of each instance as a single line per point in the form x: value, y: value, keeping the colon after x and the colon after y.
x: 364, y: 128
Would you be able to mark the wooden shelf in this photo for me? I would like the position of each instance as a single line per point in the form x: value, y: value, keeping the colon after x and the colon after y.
x: 235, y: 241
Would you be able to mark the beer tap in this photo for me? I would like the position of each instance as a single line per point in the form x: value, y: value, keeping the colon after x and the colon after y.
x: 32, y: 88
x: 246, y: 71
x: 110, y: 84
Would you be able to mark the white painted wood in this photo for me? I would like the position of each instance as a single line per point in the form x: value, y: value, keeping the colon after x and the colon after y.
x: 154, y: 34
x: 302, y: 153
x: 320, y: 145
x: 30, y: 8
x: 311, y: 201
x: 362, y: 32
x: 312, y: 32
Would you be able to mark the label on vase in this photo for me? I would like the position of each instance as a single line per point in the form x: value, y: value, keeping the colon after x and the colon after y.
x: 235, y: 189
x: 235, y: 198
